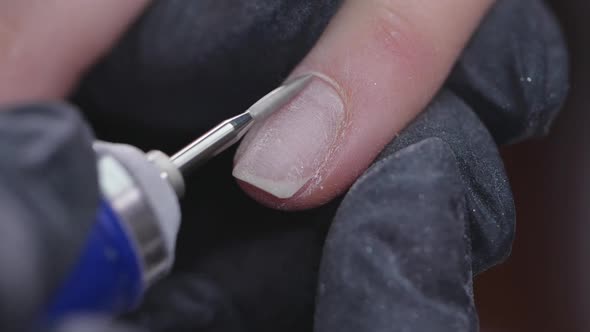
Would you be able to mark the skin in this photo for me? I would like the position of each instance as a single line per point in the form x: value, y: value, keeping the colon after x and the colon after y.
x: 381, y: 55
x: 45, y: 45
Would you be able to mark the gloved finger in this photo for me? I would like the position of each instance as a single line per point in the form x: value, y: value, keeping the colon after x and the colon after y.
x: 378, y: 64
x: 45, y: 46
x: 48, y: 199
x: 405, y: 266
x: 519, y: 90
x: 489, y: 198
x: 515, y: 95
x: 437, y: 207
x: 399, y: 253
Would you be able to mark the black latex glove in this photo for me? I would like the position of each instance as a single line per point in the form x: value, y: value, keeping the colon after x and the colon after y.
x: 408, y: 237
x: 184, y: 60
x: 436, y: 208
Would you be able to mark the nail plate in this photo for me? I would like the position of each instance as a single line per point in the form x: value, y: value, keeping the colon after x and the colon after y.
x: 287, y: 150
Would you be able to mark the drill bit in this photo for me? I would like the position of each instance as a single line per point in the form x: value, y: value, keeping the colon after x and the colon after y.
x: 232, y: 130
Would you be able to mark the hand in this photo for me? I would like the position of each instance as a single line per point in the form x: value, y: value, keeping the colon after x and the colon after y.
x: 375, y: 56
x: 381, y: 62
x: 436, y: 208
x: 256, y: 250
x: 437, y: 190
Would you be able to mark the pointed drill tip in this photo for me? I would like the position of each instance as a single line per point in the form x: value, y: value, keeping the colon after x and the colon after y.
x: 299, y: 82
x: 279, y: 97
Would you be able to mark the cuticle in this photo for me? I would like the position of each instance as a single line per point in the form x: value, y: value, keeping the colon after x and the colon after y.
x: 343, y: 128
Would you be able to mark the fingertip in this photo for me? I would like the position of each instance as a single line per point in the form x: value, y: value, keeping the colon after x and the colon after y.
x: 375, y: 76
x: 300, y: 201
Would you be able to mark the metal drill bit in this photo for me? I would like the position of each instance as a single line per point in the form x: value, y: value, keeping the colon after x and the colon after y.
x: 232, y: 130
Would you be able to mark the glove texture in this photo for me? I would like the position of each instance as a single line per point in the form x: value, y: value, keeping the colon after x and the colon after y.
x: 436, y: 208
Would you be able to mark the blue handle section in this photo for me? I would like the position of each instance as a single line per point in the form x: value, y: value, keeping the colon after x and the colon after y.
x: 107, y: 279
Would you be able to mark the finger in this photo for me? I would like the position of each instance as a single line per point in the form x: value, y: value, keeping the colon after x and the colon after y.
x: 522, y: 97
x: 46, y: 45
x: 378, y: 64
x: 421, y: 250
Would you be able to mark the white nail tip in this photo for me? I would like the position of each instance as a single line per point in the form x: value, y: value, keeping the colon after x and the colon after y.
x: 283, y: 154
x: 279, y: 189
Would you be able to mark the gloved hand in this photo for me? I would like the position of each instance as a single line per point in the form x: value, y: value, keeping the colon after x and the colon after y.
x: 434, y: 210
x: 276, y: 255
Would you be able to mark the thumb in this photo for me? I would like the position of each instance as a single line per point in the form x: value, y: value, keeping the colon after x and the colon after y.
x: 378, y: 64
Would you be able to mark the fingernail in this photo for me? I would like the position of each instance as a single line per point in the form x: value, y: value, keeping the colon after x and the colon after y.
x: 288, y: 149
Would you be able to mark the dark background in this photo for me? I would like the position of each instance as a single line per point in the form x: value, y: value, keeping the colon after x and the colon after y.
x: 545, y: 285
